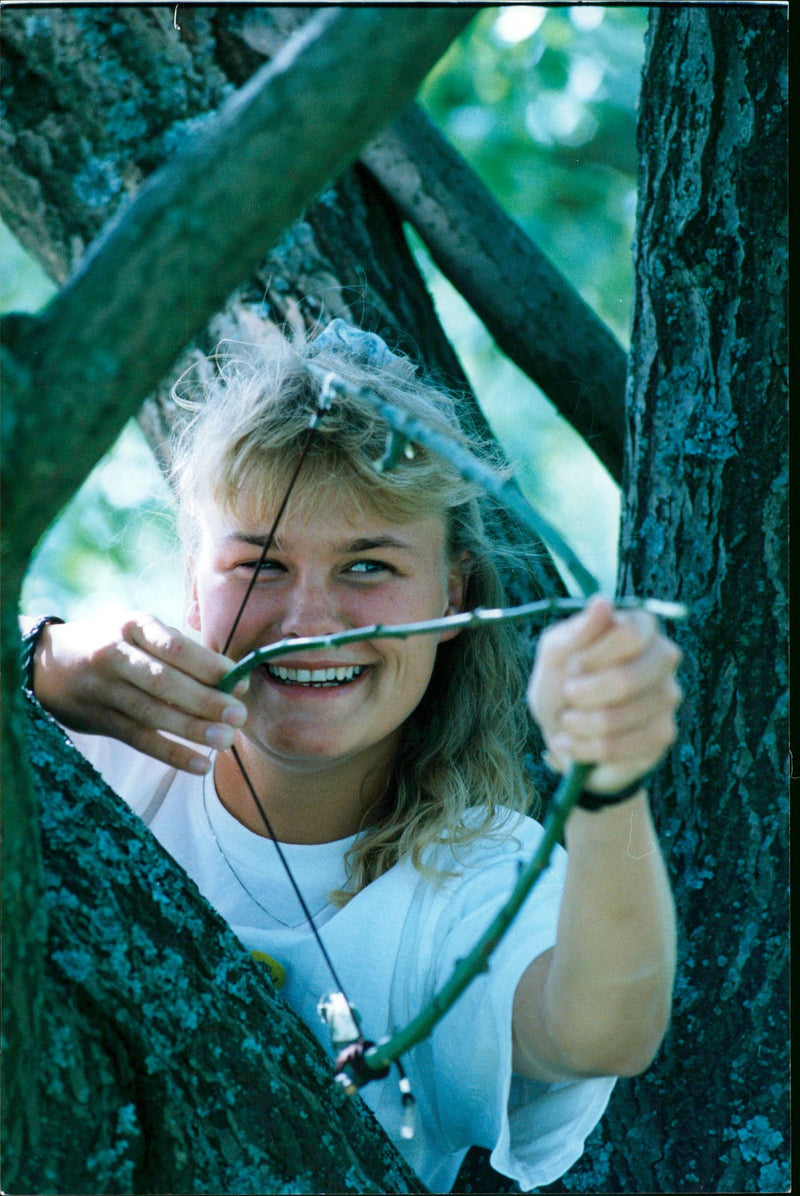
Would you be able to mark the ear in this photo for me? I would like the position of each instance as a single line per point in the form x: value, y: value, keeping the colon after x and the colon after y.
x: 457, y: 580
x: 192, y: 604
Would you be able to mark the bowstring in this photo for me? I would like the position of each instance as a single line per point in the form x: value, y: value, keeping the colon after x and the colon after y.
x: 293, y: 880
x: 322, y: 405
x: 312, y: 427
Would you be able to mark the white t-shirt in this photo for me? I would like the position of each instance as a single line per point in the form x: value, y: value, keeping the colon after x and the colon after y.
x: 393, y: 945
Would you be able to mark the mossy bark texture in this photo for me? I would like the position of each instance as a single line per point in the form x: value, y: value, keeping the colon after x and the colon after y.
x: 168, y: 1061
x: 705, y: 521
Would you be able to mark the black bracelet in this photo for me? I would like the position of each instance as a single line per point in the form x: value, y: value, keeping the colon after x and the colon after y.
x: 29, y: 641
x: 596, y: 801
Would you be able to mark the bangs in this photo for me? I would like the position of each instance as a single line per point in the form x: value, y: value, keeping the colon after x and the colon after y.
x: 253, y: 486
x: 243, y: 441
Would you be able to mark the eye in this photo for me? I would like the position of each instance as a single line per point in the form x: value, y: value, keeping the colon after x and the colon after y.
x: 367, y: 567
x: 264, y: 567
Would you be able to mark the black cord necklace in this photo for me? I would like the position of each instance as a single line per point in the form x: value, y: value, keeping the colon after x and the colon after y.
x: 322, y: 406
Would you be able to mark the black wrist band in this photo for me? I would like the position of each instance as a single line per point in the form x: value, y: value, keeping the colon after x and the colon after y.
x: 29, y: 641
x: 596, y: 801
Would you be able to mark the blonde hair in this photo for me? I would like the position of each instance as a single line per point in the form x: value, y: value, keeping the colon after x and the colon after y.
x: 459, y: 768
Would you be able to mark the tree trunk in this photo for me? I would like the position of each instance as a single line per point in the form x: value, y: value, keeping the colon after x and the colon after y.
x: 169, y: 1063
x: 705, y: 521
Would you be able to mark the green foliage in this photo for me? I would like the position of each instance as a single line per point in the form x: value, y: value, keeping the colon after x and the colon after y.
x: 542, y: 103
x: 114, y: 542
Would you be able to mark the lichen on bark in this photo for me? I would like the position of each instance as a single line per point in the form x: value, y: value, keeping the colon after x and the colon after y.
x: 170, y: 1063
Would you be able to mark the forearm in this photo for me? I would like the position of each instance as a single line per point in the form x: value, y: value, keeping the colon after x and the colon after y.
x: 608, y: 990
x: 604, y: 692
x: 599, y: 1003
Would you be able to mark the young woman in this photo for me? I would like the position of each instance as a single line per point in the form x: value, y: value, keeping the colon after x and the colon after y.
x: 391, y: 770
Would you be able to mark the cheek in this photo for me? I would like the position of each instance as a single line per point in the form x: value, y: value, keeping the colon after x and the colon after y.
x: 420, y: 664
x: 216, y: 610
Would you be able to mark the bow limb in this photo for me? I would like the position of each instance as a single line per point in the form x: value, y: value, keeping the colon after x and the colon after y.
x: 379, y: 1057
x: 479, y: 617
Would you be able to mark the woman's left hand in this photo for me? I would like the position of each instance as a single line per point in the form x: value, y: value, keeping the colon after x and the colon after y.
x: 604, y: 692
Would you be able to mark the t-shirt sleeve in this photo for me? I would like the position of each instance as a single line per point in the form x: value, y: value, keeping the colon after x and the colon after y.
x: 534, y: 1130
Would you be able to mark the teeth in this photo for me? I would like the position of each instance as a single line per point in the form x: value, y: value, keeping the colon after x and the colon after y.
x: 332, y: 676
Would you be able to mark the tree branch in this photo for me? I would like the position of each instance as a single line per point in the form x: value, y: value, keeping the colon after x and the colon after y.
x: 535, y: 315
x: 167, y: 264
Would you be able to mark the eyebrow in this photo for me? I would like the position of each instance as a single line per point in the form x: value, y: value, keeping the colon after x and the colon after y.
x: 362, y: 544
x: 369, y: 544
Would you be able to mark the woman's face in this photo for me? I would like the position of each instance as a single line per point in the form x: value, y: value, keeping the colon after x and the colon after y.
x: 330, y: 570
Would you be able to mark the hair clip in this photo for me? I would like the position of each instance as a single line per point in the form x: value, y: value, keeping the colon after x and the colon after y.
x: 345, y: 339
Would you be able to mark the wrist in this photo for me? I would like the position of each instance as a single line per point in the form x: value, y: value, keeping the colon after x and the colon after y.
x: 590, y: 800
x: 621, y: 836
x: 593, y: 799
x: 30, y: 643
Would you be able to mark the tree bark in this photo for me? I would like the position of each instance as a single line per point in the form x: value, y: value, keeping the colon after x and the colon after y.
x: 705, y: 521
x: 169, y: 1062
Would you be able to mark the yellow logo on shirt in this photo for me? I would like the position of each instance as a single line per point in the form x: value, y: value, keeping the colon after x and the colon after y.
x: 277, y: 973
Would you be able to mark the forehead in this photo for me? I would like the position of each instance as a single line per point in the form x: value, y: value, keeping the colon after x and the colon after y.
x: 328, y: 515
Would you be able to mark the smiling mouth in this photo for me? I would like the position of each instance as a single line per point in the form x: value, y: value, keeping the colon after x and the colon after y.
x: 316, y: 678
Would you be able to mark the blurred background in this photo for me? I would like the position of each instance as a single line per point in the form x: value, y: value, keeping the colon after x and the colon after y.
x: 542, y: 102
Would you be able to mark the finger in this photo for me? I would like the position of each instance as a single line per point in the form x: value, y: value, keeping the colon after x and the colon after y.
x: 624, y: 717
x: 554, y: 650
x: 152, y: 680
x: 577, y: 633
x: 635, y: 754
x: 142, y: 709
x: 623, y: 681
x: 639, y: 749
x: 629, y: 635
x: 178, y: 651
x: 160, y: 747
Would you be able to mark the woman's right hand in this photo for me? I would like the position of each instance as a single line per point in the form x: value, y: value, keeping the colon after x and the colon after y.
x: 137, y: 680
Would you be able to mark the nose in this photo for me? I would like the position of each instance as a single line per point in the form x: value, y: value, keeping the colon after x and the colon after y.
x: 310, y: 610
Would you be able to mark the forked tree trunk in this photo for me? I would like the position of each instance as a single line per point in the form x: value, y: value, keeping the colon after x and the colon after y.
x: 704, y: 521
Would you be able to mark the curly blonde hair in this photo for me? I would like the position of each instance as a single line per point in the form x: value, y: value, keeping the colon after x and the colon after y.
x: 459, y: 772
